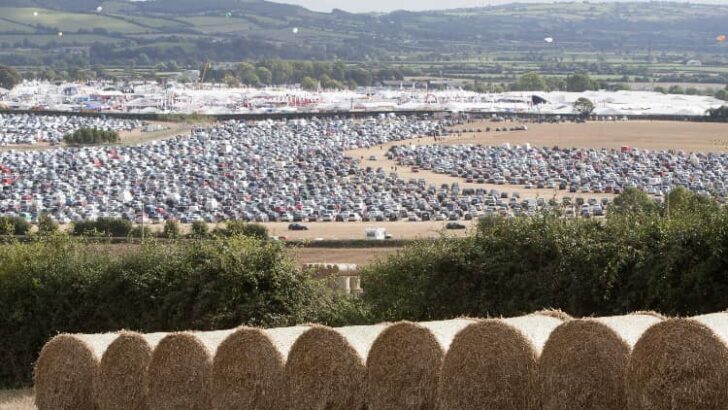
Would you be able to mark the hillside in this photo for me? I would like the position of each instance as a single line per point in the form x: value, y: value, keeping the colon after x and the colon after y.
x: 190, y: 31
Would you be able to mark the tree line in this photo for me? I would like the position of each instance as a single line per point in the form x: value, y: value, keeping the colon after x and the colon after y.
x: 310, y: 74
x: 580, y: 82
x: 91, y: 136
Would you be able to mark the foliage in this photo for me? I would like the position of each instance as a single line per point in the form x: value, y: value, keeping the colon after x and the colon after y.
x: 584, y: 106
x: 632, y: 201
x: 200, y: 229
x: 530, y: 82
x: 14, y: 225
x: 60, y: 284
x: 118, y: 228
x: 9, y: 77
x: 644, y: 256
x: 87, y: 136
x: 171, y: 230
x: 309, y: 84
x: 242, y: 228
x: 580, y: 82
x: 46, y: 225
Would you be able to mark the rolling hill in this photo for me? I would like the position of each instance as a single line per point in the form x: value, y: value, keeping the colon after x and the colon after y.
x: 229, y: 30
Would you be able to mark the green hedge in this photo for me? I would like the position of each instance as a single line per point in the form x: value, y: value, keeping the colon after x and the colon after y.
x: 59, y: 284
x: 91, y: 136
x: 670, y: 259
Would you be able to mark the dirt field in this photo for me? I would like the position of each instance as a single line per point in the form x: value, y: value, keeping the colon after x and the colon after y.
x: 173, y: 129
x: 127, y: 137
x: 653, y: 135
x: 16, y: 400
x: 356, y: 230
x: 359, y: 256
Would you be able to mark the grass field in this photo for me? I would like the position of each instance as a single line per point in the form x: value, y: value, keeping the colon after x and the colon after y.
x: 69, y: 21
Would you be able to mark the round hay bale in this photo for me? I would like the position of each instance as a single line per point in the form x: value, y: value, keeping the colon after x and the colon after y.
x: 492, y: 364
x: 248, y: 371
x: 326, y: 370
x: 583, y: 363
x: 680, y: 364
x: 66, y: 370
x: 403, y: 367
x: 179, y: 372
x: 120, y: 383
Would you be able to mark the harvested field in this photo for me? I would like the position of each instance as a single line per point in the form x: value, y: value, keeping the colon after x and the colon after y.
x: 16, y: 400
x: 358, y: 256
x: 653, y: 135
x: 355, y: 230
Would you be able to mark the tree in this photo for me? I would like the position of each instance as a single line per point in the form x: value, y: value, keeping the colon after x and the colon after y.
x: 46, y: 225
x: 171, y: 229
x: 309, y: 84
x: 200, y: 229
x: 579, y: 82
x: 584, y: 106
x: 530, y: 82
x: 632, y: 201
x: 231, y: 81
x: 264, y: 75
x: 9, y: 77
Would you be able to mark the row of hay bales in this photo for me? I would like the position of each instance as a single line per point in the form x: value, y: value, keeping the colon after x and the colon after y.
x: 545, y: 360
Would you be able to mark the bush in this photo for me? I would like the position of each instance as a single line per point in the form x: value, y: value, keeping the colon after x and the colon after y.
x: 61, y: 284
x: 644, y: 257
x: 200, y: 229
x: 91, y: 136
x: 171, y: 229
x: 14, y: 225
x: 46, y: 225
x: 234, y: 228
x: 116, y: 228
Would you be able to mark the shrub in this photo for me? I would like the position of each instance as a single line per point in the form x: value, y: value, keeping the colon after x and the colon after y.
x: 91, y: 136
x: 61, y: 284
x: 117, y: 228
x: 14, y: 225
x: 171, y: 229
x: 200, y: 229
x: 46, y: 225
x: 643, y: 257
x: 241, y: 228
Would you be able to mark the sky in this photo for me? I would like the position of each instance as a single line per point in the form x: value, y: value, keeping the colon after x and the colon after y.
x: 359, y: 6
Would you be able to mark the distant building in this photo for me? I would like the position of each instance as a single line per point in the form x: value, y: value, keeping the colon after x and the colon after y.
x: 694, y: 63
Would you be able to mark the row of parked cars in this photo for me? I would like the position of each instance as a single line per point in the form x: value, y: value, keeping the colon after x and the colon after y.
x: 577, y: 170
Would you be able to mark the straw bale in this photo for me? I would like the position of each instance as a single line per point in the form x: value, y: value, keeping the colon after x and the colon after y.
x: 403, y: 367
x: 681, y: 364
x: 326, y: 367
x: 248, y: 371
x: 121, y: 371
x: 66, y: 371
x: 584, y: 361
x: 492, y: 364
x: 179, y: 372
